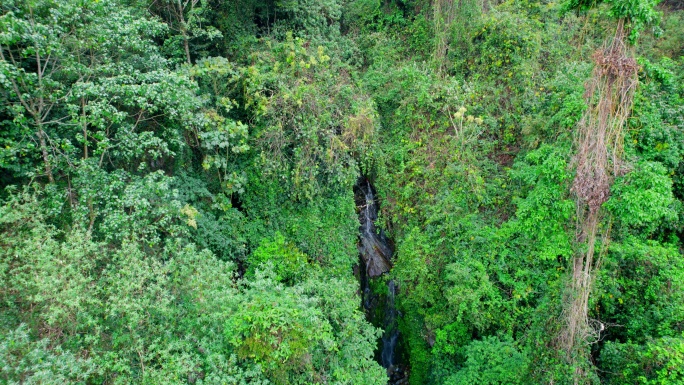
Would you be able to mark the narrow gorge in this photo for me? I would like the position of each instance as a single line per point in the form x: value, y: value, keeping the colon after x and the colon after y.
x: 378, y: 292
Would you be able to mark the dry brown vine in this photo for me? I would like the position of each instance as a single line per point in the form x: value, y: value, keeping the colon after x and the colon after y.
x: 609, y: 95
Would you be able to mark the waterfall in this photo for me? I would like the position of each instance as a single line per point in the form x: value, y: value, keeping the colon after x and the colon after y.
x: 391, y: 335
x: 375, y: 254
x: 373, y: 247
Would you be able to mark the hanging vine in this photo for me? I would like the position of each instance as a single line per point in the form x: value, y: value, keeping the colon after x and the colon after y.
x: 599, y: 158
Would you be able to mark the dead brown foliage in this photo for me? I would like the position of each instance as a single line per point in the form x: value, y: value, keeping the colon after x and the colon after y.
x: 610, y: 95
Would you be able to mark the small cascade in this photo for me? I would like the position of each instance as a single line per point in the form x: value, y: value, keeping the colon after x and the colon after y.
x: 390, y: 340
x: 373, y: 246
x: 367, y: 299
x: 375, y: 254
x: 391, y: 335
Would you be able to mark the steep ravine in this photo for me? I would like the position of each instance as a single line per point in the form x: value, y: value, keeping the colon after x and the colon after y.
x: 378, y: 297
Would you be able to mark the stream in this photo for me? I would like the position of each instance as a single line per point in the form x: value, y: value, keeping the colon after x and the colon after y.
x: 375, y: 259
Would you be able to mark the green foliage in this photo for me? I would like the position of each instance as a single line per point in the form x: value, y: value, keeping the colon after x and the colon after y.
x: 657, y: 133
x: 566, y: 102
x: 118, y: 305
x: 507, y: 41
x: 668, y: 43
x: 221, y: 137
x: 543, y: 216
x: 191, y: 32
x: 279, y: 328
x: 171, y: 314
x: 418, y: 350
x: 298, y: 138
x: 303, y: 333
x: 289, y: 264
x: 314, y: 18
x: 31, y: 362
x: 643, y: 200
x: 641, y: 289
x: 657, y: 362
x: 448, y: 350
x: 637, y: 13
x: 657, y: 112
x: 184, y: 206
x: 89, y: 84
x: 492, y: 361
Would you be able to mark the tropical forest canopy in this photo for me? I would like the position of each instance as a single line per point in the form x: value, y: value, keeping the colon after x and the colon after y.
x: 180, y: 191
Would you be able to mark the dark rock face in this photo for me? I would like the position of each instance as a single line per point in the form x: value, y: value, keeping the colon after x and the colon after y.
x: 391, y: 335
x: 375, y: 253
x: 373, y: 246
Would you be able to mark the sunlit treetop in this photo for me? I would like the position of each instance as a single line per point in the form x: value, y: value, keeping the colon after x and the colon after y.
x: 636, y: 13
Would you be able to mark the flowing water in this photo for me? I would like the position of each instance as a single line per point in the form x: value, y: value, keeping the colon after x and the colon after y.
x: 375, y: 252
x: 373, y: 246
x: 391, y: 335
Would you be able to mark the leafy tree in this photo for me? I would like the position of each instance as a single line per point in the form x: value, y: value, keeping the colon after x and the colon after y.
x: 637, y: 14
x: 183, y: 204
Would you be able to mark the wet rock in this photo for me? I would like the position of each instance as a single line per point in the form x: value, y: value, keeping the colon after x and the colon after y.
x: 374, y: 255
x: 396, y: 375
x: 373, y: 246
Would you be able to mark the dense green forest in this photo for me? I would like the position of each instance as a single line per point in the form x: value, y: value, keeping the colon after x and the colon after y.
x: 342, y: 192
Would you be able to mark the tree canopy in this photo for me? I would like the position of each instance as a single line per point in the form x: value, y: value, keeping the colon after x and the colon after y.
x: 180, y: 191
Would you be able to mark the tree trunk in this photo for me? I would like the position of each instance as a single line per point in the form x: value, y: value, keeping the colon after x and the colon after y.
x: 44, y: 152
x: 184, y: 31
